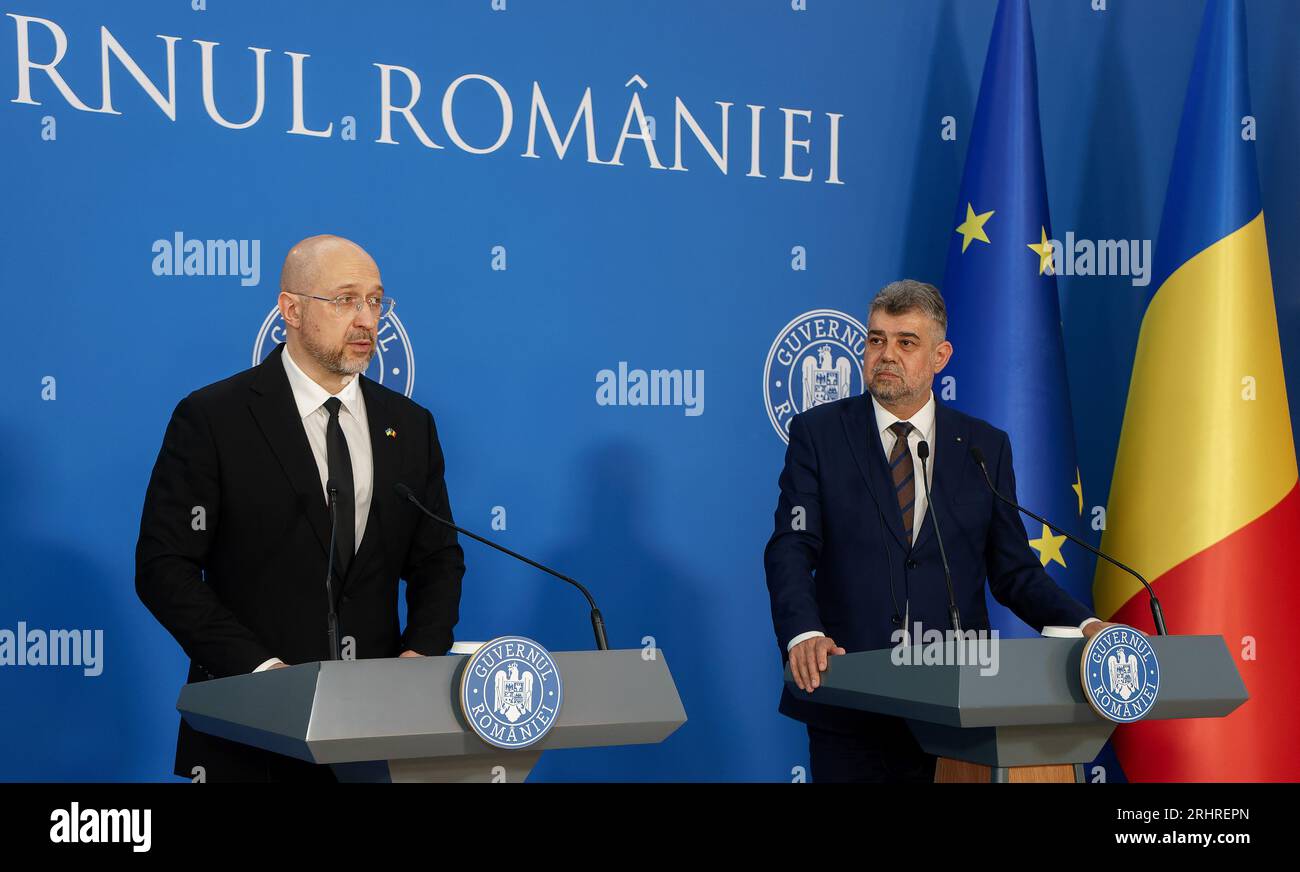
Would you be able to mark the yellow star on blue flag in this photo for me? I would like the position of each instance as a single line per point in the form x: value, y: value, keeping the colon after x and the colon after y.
x: 973, y: 226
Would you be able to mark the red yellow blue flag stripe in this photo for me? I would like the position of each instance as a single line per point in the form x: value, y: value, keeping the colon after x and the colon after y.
x: 1204, y: 497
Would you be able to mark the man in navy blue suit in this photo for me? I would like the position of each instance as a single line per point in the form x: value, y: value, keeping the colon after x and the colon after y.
x: 850, y: 560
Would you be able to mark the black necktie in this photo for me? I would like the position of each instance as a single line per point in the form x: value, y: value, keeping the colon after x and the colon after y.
x: 900, y: 469
x: 339, y: 463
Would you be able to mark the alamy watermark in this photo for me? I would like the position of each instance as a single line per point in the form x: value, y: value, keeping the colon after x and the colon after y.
x: 656, y: 387
x: 36, y: 647
x: 932, y: 647
x: 1102, y: 257
x: 77, y: 825
x: 179, y: 256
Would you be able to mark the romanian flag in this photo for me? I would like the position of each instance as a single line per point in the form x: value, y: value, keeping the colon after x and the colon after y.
x: 1204, y: 499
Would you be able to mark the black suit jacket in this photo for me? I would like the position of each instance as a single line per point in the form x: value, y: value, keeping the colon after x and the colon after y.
x: 852, y: 567
x: 234, y: 535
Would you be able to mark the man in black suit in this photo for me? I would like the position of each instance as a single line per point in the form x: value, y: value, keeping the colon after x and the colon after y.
x: 851, y: 561
x: 235, y: 531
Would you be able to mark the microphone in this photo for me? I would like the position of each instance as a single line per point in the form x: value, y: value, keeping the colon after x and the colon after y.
x: 923, y: 451
x: 597, y: 622
x: 1157, y: 614
x: 333, y: 618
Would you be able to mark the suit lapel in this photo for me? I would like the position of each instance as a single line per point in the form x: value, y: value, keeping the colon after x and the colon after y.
x: 864, y: 441
x: 276, y: 413
x: 952, y: 444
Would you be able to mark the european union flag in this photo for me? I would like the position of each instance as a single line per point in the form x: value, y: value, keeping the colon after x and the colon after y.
x: 1008, y: 365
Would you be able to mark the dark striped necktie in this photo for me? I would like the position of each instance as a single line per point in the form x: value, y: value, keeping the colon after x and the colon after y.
x: 900, y: 467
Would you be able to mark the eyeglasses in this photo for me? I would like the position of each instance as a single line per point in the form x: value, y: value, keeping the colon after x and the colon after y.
x: 346, y: 305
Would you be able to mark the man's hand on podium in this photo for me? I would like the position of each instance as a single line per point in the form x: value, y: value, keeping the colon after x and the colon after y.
x: 277, y: 666
x: 1092, y: 628
x: 808, y: 661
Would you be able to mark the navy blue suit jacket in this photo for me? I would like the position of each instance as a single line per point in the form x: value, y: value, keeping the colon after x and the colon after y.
x: 834, y: 574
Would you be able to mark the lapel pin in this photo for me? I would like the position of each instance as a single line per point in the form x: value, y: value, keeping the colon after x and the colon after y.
x: 390, y: 433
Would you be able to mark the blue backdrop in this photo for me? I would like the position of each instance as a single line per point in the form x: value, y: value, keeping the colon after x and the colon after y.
x: 520, y: 279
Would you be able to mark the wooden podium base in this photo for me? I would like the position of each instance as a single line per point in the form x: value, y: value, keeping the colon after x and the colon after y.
x: 951, y: 771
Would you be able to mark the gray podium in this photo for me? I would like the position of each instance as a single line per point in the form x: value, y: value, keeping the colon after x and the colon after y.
x: 1032, y: 712
x: 397, y: 719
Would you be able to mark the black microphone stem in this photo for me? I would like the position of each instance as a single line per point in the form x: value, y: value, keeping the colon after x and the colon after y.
x: 597, y: 621
x: 333, y: 619
x: 1157, y: 614
x: 923, y: 450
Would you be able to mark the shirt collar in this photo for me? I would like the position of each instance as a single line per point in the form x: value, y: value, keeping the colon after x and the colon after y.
x: 923, y: 420
x: 309, y: 396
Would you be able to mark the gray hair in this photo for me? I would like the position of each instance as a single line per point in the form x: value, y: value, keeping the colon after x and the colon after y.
x: 910, y: 295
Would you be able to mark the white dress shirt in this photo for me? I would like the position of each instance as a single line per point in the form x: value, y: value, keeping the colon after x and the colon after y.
x: 922, y: 428
x: 310, y: 398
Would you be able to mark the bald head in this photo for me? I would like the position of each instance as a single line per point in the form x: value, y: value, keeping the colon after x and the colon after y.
x: 316, y: 262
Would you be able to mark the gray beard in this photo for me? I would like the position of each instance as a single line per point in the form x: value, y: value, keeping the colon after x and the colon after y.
x: 891, y: 392
x: 333, y: 360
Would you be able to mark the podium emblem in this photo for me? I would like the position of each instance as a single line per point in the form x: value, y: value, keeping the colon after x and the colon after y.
x: 1121, y: 675
x: 510, y: 692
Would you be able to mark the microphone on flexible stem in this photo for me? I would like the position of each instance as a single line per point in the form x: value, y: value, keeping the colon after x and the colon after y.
x: 597, y: 622
x: 333, y: 619
x: 923, y: 451
x: 1157, y: 614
